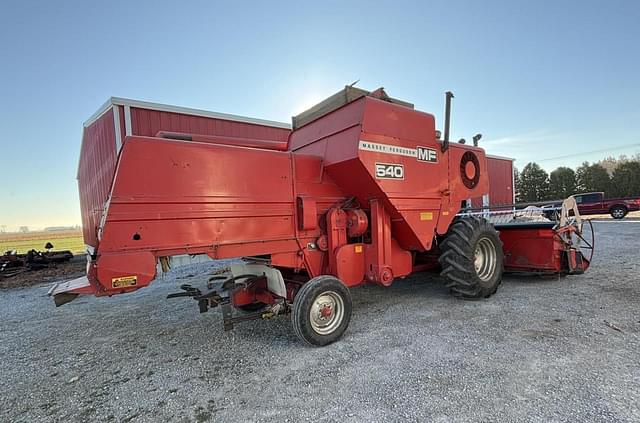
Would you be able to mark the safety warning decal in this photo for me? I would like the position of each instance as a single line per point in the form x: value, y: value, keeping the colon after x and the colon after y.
x: 124, y: 281
x: 426, y: 215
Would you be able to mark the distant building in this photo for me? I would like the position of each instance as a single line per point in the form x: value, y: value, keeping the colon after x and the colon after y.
x: 60, y: 228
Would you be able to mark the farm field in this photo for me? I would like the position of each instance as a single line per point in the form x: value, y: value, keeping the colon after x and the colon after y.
x: 23, y: 242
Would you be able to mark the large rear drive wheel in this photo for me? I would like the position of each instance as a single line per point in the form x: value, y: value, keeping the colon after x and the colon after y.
x: 472, y: 258
x: 321, y: 310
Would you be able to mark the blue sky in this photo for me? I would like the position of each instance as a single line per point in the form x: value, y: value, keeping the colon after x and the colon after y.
x: 538, y: 79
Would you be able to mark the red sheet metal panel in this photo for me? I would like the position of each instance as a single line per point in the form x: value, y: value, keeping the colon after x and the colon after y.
x: 500, y: 180
x: 95, y: 172
x: 369, y: 136
x: 531, y: 249
x: 210, y: 193
x: 500, y: 171
x: 98, y: 155
x: 147, y: 122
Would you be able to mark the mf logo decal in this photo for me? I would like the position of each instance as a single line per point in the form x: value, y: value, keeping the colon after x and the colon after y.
x: 422, y: 154
x: 426, y: 154
x: 389, y: 171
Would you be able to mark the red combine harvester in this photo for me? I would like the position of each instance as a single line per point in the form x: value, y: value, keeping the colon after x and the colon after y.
x: 362, y: 191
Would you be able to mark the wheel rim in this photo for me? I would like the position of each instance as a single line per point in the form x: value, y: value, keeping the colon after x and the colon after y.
x: 618, y: 213
x: 484, y: 259
x: 326, y: 312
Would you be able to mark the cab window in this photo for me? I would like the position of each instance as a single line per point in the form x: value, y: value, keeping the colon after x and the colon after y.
x: 589, y: 198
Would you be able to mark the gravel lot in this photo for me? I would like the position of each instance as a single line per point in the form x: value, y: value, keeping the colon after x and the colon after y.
x: 539, y: 350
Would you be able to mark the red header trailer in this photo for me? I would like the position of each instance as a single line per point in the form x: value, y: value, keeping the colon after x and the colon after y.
x: 363, y: 190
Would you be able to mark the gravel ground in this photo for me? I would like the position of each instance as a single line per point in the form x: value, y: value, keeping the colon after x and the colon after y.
x: 539, y: 350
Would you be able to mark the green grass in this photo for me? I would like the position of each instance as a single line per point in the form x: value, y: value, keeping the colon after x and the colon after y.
x: 73, y: 243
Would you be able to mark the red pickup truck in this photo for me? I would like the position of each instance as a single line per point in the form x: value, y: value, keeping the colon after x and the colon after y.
x: 595, y: 203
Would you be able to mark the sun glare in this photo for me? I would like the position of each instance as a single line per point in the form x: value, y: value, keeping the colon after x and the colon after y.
x: 306, y: 103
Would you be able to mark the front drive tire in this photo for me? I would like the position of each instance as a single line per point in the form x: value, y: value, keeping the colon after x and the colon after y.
x: 472, y: 259
x: 321, y: 310
x: 618, y: 212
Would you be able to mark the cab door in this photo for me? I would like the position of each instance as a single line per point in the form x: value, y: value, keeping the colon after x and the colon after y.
x: 590, y: 203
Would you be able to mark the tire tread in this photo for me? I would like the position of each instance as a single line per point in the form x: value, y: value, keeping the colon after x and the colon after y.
x: 300, y: 312
x: 457, y: 255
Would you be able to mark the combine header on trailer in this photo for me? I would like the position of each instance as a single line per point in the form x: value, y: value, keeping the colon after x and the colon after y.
x: 362, y: 191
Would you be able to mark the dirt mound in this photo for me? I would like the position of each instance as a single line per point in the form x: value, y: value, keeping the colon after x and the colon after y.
x: 61, y: 271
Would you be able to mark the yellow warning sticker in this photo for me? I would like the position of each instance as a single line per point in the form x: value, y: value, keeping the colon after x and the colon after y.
x: 124, y: 281
x: 426, y: 215
x: 358, y: 248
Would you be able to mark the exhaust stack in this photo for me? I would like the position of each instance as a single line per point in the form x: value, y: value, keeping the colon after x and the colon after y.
x: 447, y: 120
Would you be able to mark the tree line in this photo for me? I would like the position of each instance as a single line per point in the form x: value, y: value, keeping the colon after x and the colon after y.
x: 615, y: 177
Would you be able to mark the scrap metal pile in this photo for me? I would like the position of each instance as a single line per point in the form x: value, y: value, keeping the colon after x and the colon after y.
x: 12, y: 263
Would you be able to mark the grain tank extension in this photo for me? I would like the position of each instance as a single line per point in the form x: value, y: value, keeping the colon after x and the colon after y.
x: 362, y: 190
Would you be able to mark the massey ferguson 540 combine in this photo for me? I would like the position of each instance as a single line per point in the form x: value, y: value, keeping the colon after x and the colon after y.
x: 361, y: 191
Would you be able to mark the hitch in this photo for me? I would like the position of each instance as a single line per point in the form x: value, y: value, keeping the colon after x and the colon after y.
x: 189, y: 291
x: 206, y: 300
x: 221, y: 287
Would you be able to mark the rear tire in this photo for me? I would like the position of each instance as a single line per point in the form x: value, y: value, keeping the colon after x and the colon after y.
x: 472, y: 259
x: 321, y: 310
x: 618, y: 212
